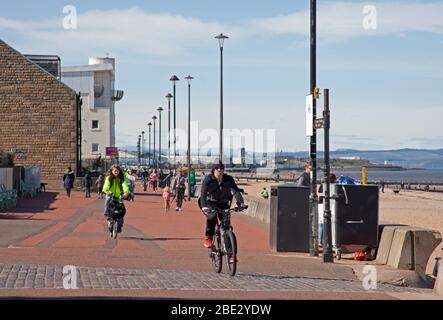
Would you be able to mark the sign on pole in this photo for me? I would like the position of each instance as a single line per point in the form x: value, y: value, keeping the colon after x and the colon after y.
x: 309, y: 116
x: 111, y: 151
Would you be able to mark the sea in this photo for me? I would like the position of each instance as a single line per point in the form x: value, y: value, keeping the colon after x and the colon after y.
x: 413, y: 176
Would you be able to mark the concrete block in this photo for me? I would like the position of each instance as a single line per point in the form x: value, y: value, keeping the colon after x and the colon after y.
x: 411, y: 248
x: 438, y: 285
x: 385, y: 242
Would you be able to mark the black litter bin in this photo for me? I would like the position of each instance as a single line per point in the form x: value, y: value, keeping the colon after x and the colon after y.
x: 356, y: 215
x: 289, y: 218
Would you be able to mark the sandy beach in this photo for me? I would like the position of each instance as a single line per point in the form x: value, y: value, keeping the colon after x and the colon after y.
x: 409, y: 207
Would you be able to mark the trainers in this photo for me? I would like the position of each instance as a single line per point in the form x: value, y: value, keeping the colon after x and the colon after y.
x: 208, y: 242
x: 180, y: 209
x: 232, y: 259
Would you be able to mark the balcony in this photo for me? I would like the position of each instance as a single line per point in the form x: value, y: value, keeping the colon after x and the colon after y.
x: 117, y: 95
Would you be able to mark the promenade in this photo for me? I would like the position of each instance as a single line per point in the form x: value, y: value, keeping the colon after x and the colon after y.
x: 158, y: 255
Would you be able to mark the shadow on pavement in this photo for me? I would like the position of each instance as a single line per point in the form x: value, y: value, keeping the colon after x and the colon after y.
x: 31, y: 206
x: 156, y: 239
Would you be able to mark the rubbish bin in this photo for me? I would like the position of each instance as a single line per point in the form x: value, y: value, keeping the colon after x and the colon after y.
x: 289, y: 218
x: 355, y: 211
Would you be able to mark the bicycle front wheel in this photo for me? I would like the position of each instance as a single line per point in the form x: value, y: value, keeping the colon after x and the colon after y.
x: 215, y: 254
x: 115, y: 230
x: 231, y: 252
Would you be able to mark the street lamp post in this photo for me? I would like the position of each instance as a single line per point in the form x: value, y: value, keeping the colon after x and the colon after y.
x: 153, y: 158
x: 138, y: 149
x: 189, y: 79
x: 221, y: 39
x: 159, y: 109
x: 149, y: 144
x: 169, y: 96
x: 313, y: 198
x: 174, y: 79
x: 142, y: 147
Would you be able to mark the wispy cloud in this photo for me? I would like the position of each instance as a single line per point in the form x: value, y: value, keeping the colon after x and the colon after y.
x: 137, y: 32
x: 343, y: 20
x: 128, y: 31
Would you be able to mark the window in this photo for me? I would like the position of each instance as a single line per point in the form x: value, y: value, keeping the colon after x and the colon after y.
x: 94, y: 124
x: 95, y: 147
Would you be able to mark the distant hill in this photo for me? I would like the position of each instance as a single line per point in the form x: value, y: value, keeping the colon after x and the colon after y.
x: 408, y: 158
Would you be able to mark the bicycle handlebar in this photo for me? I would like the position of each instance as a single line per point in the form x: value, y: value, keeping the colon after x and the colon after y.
x: 235, y: 209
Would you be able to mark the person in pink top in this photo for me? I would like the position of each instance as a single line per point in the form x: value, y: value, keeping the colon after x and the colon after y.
x: 154, y: 179
x: 167, y: 197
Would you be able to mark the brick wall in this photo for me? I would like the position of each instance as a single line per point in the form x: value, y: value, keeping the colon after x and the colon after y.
x: 38, y: 116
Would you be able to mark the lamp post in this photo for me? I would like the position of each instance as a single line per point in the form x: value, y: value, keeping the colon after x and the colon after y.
x: 138, y: 149
x: 174, y: 79
x: 142, y: 147
x: 221, y: 39
x: 313, y: 198
x: 189, y: 79
x: 169, y: 96
x: 149, y: 144
x: 159, y: 109
x: 153, y: 158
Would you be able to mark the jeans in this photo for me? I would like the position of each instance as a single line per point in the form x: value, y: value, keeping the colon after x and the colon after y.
x: 320, y: 232
x: 88, y: 192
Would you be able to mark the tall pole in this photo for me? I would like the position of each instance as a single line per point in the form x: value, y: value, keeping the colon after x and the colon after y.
x: 160, y: 109
x: 313, y: 198
x: 169, y: 96
x: 221, y: 38
x: 142, y: 147
x: 149, y: 143
x: 327, y: 239
x: 189, y: 78
x: 221, y: 104
x: 174, y: 78
x: 153, y: 158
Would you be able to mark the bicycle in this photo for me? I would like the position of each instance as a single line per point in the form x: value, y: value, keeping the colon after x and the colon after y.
x: 115, y: 211
x: 224, y: 241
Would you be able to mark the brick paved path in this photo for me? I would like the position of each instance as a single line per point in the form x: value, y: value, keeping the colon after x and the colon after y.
x: 51, y: 277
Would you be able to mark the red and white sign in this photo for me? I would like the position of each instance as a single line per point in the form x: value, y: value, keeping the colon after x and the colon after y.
x: 111, y: 151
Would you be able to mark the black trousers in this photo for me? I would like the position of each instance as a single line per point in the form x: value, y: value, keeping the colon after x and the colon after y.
x: 212, y: 217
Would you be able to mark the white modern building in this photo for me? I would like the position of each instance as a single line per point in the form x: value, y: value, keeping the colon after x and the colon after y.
x: 95, y: 82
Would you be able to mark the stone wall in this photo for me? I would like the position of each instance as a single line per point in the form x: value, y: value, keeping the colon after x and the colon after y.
x: 38, y: 117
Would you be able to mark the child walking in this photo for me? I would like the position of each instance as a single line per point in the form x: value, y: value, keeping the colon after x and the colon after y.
x: 167, y: 197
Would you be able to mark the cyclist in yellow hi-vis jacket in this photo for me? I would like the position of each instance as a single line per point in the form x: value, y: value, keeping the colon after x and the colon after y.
x: 115, y: 186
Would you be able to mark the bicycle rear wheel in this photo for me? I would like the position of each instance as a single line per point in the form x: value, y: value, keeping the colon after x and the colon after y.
x: 231, y: 252
x: 215, y: 254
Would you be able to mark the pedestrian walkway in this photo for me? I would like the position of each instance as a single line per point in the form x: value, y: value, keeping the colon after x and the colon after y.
x: 51, y: 277
x: 157, y: 250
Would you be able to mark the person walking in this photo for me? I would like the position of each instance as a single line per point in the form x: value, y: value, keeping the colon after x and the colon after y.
x: 68, y: 181
x: 167, y: 197
x: 192, y: 182
x: 87, y: 181
x: 179, y: 187
x: 154, y: 179
x: 99, y: 185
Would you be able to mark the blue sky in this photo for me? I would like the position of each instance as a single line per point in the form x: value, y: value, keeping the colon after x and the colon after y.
x: 385, y: 84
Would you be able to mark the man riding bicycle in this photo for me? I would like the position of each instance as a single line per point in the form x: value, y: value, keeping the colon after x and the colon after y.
x: 216, y: 193
x: 115, y: 185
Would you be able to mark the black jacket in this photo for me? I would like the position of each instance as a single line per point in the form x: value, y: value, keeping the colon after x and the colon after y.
x: 213, y: 193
